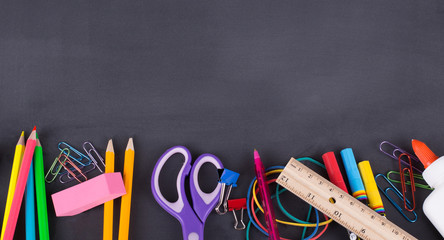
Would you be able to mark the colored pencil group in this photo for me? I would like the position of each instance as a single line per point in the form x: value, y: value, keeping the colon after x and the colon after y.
x: 27, y: 172
x: 20, y: 186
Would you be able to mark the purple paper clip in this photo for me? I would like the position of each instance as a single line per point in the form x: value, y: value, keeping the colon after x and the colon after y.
x: 397, y: 152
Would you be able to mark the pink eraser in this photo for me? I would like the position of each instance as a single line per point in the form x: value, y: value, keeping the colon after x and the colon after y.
x: 88, y: 194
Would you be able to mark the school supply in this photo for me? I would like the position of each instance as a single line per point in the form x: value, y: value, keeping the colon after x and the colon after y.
x: 236, y: 205
x: 398, y: 194
x: 228, y: 180
x: 125, y: 208
x: 407, y: 171
x: 91, y: 151
x: 88, y: 194
x: 77, y: 156
x: 71, y: 164
x: 108, y: 208
x: 79, y: 163
x: 394, y: 151
x: 67, y: 164
x: 192, y: 218
x: 42, y: 211
x: 374, y: 198
x: 335, y: 176
x: 433, y: 175
x: 20, y: 186
x: 407, y: 182
x: 354, y: 178
x: 337, y: 204
x: 251, y: 210
x: 19, y: 151
x: 55, y: 168
x: 270, y: 219
x: 30, y: 206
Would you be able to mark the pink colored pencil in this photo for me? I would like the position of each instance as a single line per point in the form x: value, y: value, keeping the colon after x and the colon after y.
x: 270, y: 219
x: 20, y: 187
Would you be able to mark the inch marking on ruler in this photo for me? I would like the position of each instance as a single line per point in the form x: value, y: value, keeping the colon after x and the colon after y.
x: 337, y: 204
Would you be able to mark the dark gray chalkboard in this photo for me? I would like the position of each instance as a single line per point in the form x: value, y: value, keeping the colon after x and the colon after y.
x: 294, y: 78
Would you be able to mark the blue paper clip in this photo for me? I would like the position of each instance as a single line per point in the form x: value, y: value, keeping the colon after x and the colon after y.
x: 227, y: 178
x: 399, y: 195
x: 396, y: 152
x: 81, y: 159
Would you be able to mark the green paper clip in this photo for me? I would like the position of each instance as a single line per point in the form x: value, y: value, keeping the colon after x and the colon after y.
x: 416, y: 176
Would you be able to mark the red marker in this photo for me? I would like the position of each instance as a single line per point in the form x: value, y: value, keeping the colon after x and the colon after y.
x: 334, y: 174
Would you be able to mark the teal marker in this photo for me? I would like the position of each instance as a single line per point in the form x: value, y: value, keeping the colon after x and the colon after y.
x: 353, y: 175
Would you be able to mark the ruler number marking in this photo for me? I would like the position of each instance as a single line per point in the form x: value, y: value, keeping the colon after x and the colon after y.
x: 303, y: 182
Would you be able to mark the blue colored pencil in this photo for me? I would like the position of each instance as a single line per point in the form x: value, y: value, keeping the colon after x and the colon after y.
x: 30, y: 205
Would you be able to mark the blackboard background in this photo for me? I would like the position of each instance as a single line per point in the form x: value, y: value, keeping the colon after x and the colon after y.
x: 294, y: 78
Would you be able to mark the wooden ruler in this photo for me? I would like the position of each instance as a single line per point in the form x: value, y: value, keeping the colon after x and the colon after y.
x: 337, y: 204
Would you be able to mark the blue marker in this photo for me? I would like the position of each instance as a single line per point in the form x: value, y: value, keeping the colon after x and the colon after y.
x: 354, y: 178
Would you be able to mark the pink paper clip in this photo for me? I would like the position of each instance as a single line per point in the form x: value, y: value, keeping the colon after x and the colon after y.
x: 238, y: 204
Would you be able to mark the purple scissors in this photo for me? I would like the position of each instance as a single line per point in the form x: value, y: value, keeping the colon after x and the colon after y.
x: 191, y: 218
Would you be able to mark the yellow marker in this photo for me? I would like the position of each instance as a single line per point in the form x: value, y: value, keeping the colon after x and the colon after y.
x: 108, y: 208
x: 125, y: 208
x: 374, y: 198
x: 19, y: 151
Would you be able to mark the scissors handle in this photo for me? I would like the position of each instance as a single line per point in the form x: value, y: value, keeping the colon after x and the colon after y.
x: 203, y: 202
x: 173, y: 208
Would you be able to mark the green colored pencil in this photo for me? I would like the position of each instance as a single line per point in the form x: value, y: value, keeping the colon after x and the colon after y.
x: 40, y: 191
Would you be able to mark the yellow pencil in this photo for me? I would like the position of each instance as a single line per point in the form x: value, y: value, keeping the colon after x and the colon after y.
x: 19, y: 151
x: 108, y: 208
x: 125, y: 208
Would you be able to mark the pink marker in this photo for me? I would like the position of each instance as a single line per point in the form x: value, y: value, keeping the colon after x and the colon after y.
x: 270, y: 219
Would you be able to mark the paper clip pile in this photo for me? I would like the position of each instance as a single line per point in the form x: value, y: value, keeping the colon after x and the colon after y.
x: 71, y: 164
x: 400, y: 155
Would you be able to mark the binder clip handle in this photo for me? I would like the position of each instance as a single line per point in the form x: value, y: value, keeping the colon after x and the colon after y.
x: 228, y: 180
x: 238, y: 204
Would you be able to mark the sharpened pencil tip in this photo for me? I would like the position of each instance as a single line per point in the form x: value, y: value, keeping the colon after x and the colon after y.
x: 130, y: 144
x: 35, y: 128
x: 110, y: 147
x: 21, y: 140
